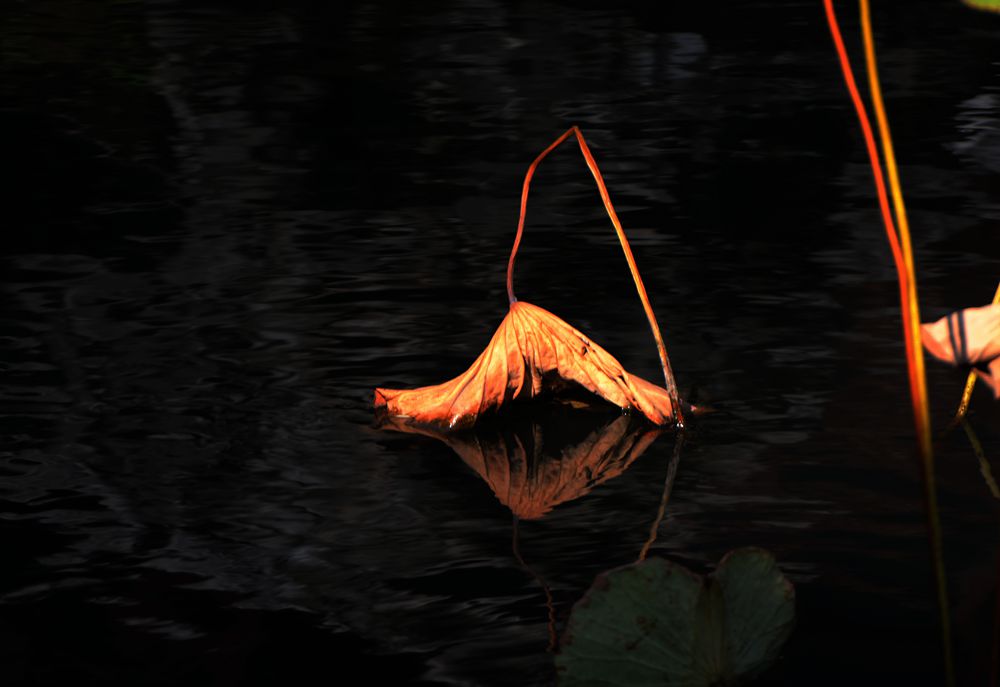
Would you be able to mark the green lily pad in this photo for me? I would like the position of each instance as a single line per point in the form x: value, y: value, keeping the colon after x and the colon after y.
x: 657, y: 623
x: 988, y: 5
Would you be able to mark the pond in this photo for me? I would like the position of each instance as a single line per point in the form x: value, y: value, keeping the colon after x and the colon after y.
x: 229, y: 222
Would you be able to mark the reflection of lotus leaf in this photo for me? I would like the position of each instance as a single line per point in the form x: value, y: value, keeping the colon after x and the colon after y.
x: 656, y: 623
x: 533, y: 463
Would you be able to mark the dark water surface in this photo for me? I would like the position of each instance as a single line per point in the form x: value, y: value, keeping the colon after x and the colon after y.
x: 227, y: 222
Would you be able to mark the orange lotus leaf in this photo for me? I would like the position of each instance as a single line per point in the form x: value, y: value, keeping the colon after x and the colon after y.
x: 969, y: 337
x: 533, y: 351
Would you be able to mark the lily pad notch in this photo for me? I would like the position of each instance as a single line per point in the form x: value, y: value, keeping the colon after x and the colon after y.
x: 654, y: 622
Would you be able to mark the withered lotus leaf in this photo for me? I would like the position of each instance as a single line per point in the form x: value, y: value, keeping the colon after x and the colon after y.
x: 535, y: 351
x: 528, y: 467
x: 969, y: 337
x: 532, y: 351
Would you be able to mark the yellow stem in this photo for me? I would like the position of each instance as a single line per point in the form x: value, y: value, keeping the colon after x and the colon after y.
x: 903, y: 225
x: 916, y: 351
x: 970, y: 381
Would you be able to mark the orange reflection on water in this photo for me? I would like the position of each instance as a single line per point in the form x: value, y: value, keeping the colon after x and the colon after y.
x: 534, y: 463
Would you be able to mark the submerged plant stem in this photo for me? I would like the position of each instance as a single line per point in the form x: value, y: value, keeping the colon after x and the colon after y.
x: 549, y: 605
x: 668, y: 375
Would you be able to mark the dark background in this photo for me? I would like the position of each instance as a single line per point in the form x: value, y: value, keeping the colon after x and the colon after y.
x: 225, y: 222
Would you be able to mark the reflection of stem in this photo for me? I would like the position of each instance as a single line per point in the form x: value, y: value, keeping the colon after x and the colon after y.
x: 668, y: 486
x: 963, y: 406
x: 984, y: 468
x: 553, y: 639
x: 984, y: 465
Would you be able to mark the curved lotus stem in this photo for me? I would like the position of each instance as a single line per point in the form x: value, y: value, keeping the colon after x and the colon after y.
x: 524, y: 208
x: 668, y: 375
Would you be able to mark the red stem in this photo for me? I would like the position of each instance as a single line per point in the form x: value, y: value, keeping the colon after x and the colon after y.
x: 878, y: 175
